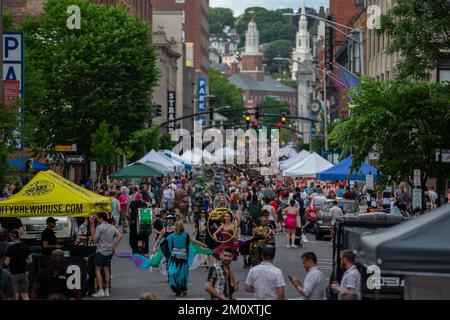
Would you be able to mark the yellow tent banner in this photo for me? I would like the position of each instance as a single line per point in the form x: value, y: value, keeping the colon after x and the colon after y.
x: 49, y: 194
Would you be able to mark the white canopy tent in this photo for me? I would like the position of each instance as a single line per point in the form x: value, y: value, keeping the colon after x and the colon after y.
x: 196, y: 156
x: 159, y: 161
x: 308, y: 167
x: 296, y: 159
x: 287, y: 152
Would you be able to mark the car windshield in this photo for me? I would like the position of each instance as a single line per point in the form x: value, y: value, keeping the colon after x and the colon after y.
x: 347, y: 207
x: 319, y: 201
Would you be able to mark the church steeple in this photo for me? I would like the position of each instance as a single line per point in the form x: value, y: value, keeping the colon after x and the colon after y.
x: 302, y: 51
x: 252, y: 38
x: 252, y: 57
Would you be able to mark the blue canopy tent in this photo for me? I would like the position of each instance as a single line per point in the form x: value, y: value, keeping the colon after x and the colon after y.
x: 19, y: 163
x: 341, y: 171
x: 177, y: 158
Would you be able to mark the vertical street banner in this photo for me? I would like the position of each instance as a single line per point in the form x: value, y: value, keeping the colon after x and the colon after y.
x: 201, y: 98
x: 171, y: 99
x: 13, y: 72
x: 11, y: 92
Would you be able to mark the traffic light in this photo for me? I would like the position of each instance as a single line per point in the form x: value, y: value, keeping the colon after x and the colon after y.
x: 255, y: 124
x: 257, y: 113
x: 278, y: 125
x: 283, y: 118
x: 247, y: 118
x: 158, y: 110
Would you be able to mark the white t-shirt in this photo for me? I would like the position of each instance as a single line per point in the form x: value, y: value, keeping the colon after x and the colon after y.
x: 265, y: 278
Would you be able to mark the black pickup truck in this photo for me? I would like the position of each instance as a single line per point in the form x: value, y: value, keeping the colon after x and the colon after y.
x: 348, y: 232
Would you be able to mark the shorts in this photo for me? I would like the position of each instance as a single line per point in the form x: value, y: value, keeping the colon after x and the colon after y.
x: 102, y: 260
x: 21, y: 282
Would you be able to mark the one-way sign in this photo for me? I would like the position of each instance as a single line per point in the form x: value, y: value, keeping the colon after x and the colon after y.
x: 76, y: 159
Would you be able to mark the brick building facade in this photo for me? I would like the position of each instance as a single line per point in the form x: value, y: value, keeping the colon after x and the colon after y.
x: 196, y: 29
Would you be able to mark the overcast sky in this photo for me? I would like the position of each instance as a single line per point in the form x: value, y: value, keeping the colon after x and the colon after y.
x: 238, y: 6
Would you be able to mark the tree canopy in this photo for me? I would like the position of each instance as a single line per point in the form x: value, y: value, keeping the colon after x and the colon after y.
x: 278, y: 48
x: 78, y: 78
x: 219, y: 18
x: 404, y: 121
x: 8, y: 126
x: 225, y: 94
x: 420, y: 31
x: 272, y: 25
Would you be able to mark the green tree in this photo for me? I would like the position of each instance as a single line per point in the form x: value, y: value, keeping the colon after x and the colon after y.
x: 104, y: 147
x: 278, y: 48
x: 8, y: 125
x: 419, y: 31
x: 219, y: 18
x: 226, y: 94
x: 405, y: 122
x: 300, y: 145
x: 103, y: 71
x: 272, y: 25
x: 272, y: 105
x: 142, y: 141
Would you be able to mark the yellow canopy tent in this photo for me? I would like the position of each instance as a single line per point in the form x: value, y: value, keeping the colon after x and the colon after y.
x: 49, y: 194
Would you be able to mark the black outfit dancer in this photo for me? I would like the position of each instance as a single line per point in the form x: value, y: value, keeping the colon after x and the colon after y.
x: 135, y: 205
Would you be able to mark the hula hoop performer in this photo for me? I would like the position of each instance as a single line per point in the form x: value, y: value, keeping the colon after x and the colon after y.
x: 229, y: 236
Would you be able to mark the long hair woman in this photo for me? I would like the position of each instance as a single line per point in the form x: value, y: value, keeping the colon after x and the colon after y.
x: 229, y: 236
x: 178, y: 267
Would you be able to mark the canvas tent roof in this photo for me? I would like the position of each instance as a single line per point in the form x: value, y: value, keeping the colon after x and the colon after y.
x: 49, y: 194
x: 308, y: 167
x: 287, y: 152
x: 341, y: 171
x: 418, y: 246
x: 174, y: 157
x: 296, y: 159
x: 155, y: 159
x: 138, y: 170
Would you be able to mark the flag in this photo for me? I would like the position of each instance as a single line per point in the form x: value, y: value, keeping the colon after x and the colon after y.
x: 349, y: 79
x: 337, y: 82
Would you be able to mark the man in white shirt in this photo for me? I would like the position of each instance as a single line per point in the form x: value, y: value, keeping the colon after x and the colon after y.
x: 265, y: 280
x: 335, y: 212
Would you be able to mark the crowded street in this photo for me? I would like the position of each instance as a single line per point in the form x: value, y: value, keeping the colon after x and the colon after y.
x: 213, y: 151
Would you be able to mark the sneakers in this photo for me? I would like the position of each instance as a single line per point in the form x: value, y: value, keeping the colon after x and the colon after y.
x: 288, y: 246
x: 294, y: 246
x: 99, y: 294
x: 106, y: 292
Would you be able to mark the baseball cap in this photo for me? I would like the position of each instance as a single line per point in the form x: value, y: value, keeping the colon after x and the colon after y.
x: 51, y: 220
x: 170, y: 216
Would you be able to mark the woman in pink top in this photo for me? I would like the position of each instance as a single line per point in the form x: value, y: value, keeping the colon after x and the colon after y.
x: 123, y: 199
x: 291, y: 213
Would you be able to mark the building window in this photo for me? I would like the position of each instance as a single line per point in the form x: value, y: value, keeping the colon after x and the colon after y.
x: 444, y: 75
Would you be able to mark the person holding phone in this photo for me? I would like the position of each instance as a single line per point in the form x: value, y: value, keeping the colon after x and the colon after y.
x: 314, y: 285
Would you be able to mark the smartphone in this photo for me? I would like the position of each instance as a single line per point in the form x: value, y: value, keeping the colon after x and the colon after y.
x: 290, y: 278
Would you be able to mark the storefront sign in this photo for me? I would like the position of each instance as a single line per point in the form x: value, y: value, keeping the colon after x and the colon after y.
x: 171, y: 104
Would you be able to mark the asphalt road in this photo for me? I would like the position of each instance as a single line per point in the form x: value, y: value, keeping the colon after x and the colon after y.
x: 129, y: 282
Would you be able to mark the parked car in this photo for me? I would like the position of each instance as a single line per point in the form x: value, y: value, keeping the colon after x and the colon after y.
x: 311, y: 211
x: 349, y: 207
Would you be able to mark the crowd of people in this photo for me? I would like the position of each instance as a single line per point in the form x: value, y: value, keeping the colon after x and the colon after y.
x: 257, y: 209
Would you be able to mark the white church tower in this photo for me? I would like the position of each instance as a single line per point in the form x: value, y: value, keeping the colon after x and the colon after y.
x: 302, y: 51
x: 305, y: 73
